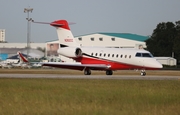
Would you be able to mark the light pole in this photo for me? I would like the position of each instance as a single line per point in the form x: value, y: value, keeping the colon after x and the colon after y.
x: 27, y: 10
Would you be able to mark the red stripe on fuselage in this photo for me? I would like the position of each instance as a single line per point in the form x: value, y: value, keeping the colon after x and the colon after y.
x: 114, y: 65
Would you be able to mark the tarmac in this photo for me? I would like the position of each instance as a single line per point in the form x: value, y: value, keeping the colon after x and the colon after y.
x: 117, y: 77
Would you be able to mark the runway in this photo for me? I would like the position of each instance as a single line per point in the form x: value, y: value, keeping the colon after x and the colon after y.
x: 118, y: 77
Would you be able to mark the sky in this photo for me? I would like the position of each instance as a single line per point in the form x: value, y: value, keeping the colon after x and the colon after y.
x: 121, y: 16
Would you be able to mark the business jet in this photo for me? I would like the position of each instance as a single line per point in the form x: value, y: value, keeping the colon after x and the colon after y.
x: 96, y: 58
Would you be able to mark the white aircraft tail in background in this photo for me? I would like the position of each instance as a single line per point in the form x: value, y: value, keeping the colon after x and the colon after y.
x: 95, y: 58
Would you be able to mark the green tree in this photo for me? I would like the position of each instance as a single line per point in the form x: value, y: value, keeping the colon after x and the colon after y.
x: 176, y: 47
x: 41, y: 49
x: 165, y: 40
x: 162, y: 40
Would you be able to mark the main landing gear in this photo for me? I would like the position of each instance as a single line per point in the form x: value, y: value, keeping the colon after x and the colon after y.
x: 143, y: 73
x: 88, y: 72
x: 109, y: 72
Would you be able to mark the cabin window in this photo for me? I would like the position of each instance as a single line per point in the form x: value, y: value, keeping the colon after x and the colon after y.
x: 100, y: 39
x: 92, y: 54
x: 117, y: 55
x: 96, y: 54
x: 112, y: 55
x: 108, y: 55
x: 129, y: 56
x: 125, y: 56
x: 113, y: 39
x: 100, y: 54
x: 80, y: 39
x: 92, y: 39
x: 104, y: 55
x: 121, y: 56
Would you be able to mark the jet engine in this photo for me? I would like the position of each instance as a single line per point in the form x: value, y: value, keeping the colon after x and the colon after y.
x: 71, y: 52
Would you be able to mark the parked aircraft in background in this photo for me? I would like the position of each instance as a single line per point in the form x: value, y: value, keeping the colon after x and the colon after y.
x: 26, y: 63
x: 96, y: 58
x: 5, y: 65
x: 10, y: 65
x: 20, y: 64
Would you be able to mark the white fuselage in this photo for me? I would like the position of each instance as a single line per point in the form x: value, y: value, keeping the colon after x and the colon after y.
x: 118, y: 58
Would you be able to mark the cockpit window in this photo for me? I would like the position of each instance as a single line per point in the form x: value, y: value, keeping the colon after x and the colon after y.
x: 138, y: 55
x: 144, y: 55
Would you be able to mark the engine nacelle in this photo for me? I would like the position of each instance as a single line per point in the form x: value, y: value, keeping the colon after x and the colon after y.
x: 72, y: 52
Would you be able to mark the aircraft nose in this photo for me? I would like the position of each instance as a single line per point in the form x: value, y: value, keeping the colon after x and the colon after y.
x: 158, y: 65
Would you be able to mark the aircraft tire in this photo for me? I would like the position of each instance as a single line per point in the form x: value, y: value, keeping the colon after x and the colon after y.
x: 87, y: 72
x: 109, y: 72
x: 143, y: 73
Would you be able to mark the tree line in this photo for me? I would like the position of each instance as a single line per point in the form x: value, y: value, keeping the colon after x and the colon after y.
x: 165, y: 40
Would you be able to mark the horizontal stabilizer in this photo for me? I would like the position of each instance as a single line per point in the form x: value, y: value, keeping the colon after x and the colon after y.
x: 53, y: 23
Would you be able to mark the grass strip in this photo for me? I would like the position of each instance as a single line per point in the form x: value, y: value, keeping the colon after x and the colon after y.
x: 90, y: 97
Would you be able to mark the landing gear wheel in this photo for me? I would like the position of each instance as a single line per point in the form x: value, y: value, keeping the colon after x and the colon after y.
x: 109, y: 72
x: 87, y: 72
x: 143, y: 73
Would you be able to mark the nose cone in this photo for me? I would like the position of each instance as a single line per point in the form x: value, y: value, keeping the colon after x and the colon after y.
x: 153, y: 64
x: 158, y: 65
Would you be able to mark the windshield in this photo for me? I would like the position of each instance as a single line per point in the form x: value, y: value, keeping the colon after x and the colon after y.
x: 144, y: 55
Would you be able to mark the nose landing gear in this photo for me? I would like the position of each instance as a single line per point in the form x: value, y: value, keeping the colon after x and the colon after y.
x: 143, y: 73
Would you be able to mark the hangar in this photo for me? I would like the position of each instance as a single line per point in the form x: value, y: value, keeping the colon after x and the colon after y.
x: 119, y: 40
x: 100, y: 39
x: 9, y: 53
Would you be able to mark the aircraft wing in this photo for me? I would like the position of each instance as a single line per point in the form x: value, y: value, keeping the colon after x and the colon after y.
x: 75, y: 66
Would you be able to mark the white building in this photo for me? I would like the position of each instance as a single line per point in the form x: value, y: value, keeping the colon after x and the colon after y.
x: 22, y: 45
x: 11, y: 49
x: 118, y: 40
x: 170, y: 61
x: 2, y: 35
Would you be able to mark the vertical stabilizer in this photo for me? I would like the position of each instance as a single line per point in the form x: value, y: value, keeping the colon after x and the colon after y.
x: 22, y: 57
x: 65, y: 35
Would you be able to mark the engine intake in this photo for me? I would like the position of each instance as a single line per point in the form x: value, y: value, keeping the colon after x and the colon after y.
x: 78, y: 52
x: 71, y: 52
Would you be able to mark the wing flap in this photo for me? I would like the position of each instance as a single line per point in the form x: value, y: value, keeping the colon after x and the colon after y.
x: 76, y: 66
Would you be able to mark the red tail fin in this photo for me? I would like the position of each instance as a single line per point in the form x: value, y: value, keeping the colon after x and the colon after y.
x: 22, y: 57
x: 61, y: 23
